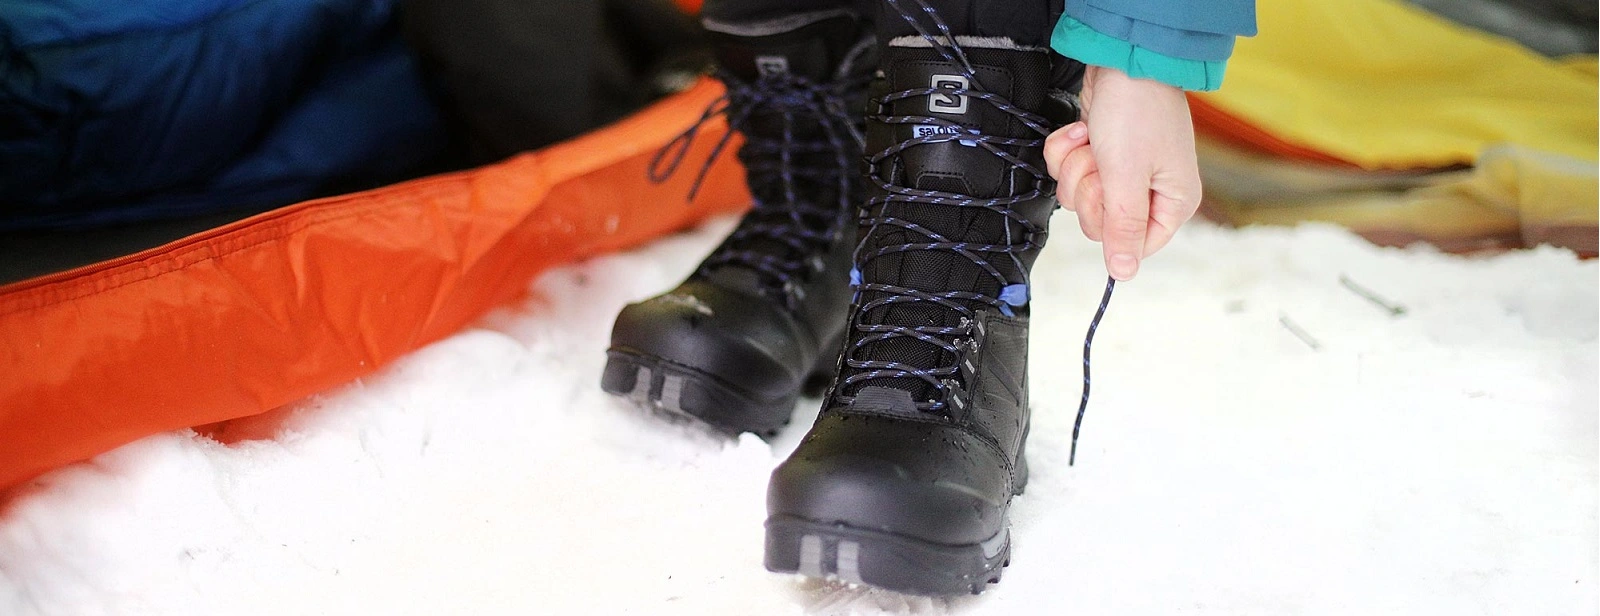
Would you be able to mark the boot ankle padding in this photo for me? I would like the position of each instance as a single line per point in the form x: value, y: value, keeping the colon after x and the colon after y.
x: 966, y: 42
x: 811, y: 45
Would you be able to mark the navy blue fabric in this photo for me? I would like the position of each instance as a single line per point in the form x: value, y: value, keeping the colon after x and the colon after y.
x: 139, y: 109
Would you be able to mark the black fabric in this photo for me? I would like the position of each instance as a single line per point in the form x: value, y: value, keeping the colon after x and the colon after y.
x: 28, y: 253
x: 794, y: 157
x: 1019, y: 77
x: 1024, y: 79
x: 745, y: 11
x: 1028, y: 22
x: 516, y: 75
x: 763, y: 313
x: 814, y: 50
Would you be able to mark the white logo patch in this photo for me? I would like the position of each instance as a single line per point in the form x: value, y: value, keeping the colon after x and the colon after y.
x: 939, y: 102
x: 929, y: 130
x: 772, y: 66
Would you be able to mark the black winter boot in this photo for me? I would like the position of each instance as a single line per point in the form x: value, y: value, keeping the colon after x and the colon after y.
x: 764, y: 314
x: 905, y: 480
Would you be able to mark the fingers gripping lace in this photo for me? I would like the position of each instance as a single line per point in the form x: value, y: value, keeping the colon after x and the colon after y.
x: 800, y: 142
x: 1021, y: 234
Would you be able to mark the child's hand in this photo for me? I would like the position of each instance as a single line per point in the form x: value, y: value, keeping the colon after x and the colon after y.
x: 1128, y: 168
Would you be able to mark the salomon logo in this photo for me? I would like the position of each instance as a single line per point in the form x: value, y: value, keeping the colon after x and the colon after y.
x: 772, y: 66
x: 940, y: 102
x: 930, y: 130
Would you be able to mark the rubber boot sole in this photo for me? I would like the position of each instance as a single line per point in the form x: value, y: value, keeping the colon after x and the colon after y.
x: 673, y: 389
x: 884, y: 560
x: 888, y: 560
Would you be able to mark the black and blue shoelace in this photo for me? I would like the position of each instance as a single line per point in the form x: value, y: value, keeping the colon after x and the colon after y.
x: 1013, y: 292
x: 784, y: 169
x: 1021, y: 234
x: 1088, y: 342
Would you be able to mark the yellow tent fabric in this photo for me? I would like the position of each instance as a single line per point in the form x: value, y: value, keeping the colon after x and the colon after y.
x: 1386, y: 85
x: 1513, y: 197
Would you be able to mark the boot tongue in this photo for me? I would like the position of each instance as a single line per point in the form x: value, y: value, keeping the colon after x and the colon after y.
x: 813, y: 49
x: 962, y: 168
x: 777, y: 116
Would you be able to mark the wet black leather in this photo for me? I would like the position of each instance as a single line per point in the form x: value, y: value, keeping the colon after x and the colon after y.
x: 930, y: 480
x: 732, y: 329
x: 878, y: 462
x: 754, y: 333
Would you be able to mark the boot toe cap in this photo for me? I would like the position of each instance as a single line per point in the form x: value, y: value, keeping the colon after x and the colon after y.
x: 741, y: 339
x: 931, y: 481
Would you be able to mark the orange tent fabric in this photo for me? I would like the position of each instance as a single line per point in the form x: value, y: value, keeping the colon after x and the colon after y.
x: 262, y: 312
x: 1212, y: 121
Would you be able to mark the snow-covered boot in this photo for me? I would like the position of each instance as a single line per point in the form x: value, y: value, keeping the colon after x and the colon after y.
x: 905, y: 479
x: 764, y: 314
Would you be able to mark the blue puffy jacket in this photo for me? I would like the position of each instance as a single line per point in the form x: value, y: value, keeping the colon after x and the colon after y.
x: 136, y: 109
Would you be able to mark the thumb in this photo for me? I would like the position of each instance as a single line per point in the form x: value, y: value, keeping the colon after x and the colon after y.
x: 1127, y: 216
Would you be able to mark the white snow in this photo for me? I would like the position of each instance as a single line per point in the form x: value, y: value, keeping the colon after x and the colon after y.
x: 1439, y: 462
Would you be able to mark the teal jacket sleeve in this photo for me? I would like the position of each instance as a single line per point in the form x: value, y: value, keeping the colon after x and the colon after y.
x: 1184, y: 43
x: 1188, y: 29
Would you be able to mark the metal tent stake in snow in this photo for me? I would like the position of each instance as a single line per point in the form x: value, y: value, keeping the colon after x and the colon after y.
x: 1088, y: 340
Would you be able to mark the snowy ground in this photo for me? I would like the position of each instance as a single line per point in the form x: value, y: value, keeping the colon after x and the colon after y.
x: 1438, y: 462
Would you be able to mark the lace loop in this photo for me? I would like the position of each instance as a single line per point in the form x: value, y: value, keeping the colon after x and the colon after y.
x: 945, y: 378
x: 678, y: 148
x: 800, y: 146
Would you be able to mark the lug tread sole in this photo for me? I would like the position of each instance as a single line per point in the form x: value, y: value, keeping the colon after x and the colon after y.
x: 664, y: 387
x: 882, y: 559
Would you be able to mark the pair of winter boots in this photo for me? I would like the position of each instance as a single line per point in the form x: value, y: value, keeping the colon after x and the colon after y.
x: 898, y: 291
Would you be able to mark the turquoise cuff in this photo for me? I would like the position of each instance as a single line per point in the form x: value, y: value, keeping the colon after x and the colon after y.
x: 1075, y: 40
